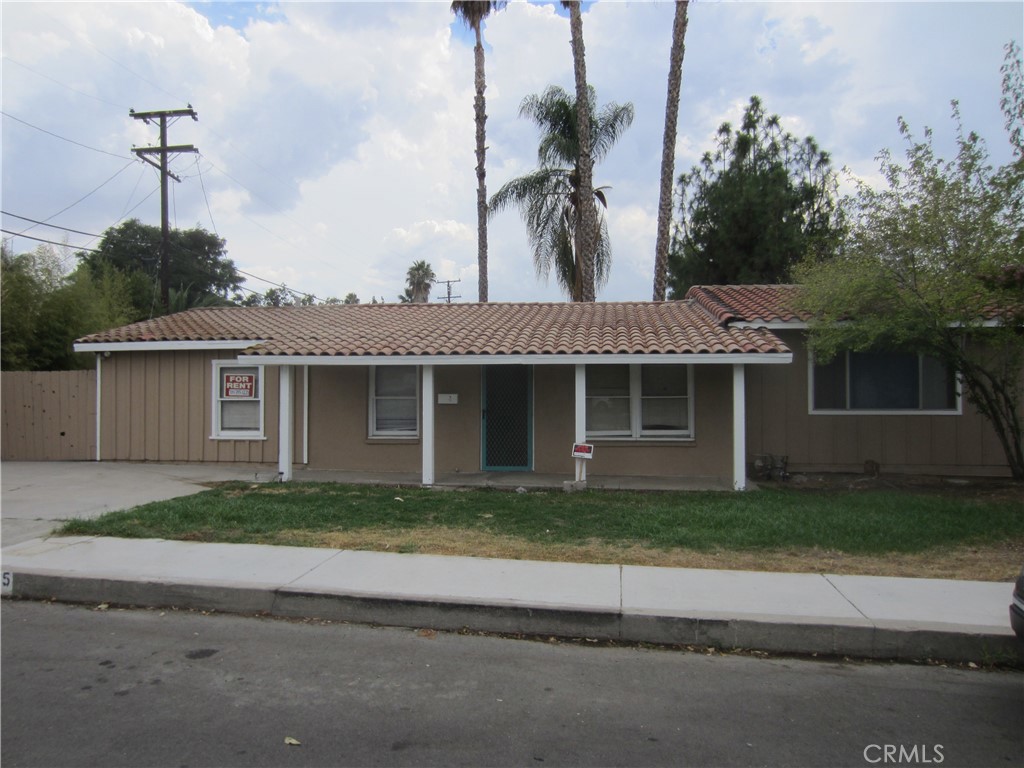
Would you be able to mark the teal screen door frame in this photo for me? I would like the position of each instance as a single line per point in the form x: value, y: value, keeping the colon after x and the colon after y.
x: 507, y: 418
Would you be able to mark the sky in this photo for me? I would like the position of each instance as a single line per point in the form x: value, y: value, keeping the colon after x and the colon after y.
x: 336, y: 139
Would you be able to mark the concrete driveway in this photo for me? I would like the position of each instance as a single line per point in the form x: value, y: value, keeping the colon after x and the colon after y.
x: 38, y: 495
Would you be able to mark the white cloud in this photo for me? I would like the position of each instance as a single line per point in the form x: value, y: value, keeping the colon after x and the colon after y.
x: 337, y: 138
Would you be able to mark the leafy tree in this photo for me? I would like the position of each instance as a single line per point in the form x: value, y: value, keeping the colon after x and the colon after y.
x: 24, y: 280
x: 935, y: 264
x: 549, y: 197
x: 44, y: 311
x: 473, y: 13
x: 668, y: 149
x: 755, y: 207
x: 283, y: 296
x: 199, y: 265
x: 419, y: 280
x: 350, y: 298
x: 587, y: 228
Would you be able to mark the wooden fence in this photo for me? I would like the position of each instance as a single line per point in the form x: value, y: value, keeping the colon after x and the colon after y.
x: 48, y: 416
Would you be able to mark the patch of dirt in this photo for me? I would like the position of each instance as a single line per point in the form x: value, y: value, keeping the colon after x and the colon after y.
x: 994, y: 562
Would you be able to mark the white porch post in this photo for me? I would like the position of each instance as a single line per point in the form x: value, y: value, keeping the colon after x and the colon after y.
x: 284, y: 420
x: 739, y: 427
x: 428, y: 425
x: 99, y: 404
x: 581, y: 415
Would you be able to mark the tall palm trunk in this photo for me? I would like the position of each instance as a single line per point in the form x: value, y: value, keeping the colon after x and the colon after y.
x: 480, y: 110
x: 668, y: 149
x: 586, y: 229
x: 473, y: 13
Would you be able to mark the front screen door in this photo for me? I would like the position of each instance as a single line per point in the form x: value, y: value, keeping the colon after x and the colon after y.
x: 508, y: 417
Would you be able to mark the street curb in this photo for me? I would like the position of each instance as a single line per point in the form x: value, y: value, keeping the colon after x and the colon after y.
x: 859, y: 640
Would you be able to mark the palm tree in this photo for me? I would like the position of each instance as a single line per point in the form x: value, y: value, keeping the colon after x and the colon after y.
x: 549, y: 198
x: 668, y: 149
x: 472, y: 13
x: 587, y: 232
x: 418, y: 280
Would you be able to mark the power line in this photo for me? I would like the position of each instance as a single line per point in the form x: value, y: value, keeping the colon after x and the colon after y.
x: 111, y: 58
x: 51, y: 242
x: 178, y: 248
x: 43, y: 223
x: 88, y: 194
x: 62, y: 138
x: 278, y: 285
x: 63, y: 85
x: 206, y: 197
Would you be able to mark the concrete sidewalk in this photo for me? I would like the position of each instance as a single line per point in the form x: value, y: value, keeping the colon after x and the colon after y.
x: 861, y: 616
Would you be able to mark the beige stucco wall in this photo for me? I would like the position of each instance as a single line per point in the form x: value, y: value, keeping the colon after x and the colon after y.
x: 339, y: 425
x: 339, y: 421
x: 779, y: 422
x: 707, y: 455
x: 157, y: 406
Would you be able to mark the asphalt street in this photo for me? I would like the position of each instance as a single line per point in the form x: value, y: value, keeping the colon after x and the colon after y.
x: 88, y: 687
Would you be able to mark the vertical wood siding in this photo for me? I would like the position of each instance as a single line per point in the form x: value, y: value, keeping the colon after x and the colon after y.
x: 157, y: 406
x: 48, y: 416
x: 778, y: 423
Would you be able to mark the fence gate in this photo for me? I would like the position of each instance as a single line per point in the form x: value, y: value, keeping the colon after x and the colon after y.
x: 48, y: 415
x: 508, y: 418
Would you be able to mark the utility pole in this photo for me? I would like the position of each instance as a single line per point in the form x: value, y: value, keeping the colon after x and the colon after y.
x: 163, y: 150
x: 448, y: 284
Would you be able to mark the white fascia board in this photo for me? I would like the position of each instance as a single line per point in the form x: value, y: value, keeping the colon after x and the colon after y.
x: 166, y: 346
x: 604, y: 359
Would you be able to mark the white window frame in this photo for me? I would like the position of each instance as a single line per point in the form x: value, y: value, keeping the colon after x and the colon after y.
x: 236, y: 434
x: 372, y: 430
x: 636, y: 432
x: 957, y: 410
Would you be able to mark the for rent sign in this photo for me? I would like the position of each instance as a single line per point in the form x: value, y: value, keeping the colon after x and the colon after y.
x: 239, y: 386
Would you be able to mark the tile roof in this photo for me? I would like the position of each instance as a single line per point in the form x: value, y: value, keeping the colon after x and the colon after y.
x: 673, y: 327
x: 749, y: 303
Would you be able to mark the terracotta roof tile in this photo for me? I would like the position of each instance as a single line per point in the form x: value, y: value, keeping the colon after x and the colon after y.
x: 749, y: 303
x: 674, y: 327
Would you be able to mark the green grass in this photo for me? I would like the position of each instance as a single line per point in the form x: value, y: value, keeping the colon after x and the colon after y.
x: 856, y: 522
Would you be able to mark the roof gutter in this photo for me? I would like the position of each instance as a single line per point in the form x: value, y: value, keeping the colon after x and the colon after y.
x: 680, y: 358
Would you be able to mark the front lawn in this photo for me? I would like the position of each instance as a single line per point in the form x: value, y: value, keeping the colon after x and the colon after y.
x: 774, y: 529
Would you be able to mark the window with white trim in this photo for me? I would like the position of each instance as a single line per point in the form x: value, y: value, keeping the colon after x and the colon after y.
x: 394, y: 401
x: 886, y: 382
x: 237, y: 401
x: 639, y: 401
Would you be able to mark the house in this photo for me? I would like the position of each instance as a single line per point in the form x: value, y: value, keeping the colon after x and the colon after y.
x: 682, y: 389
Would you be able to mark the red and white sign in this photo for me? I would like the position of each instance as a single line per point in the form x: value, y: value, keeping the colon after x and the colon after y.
x: 240, y: 386
x: 582, y: 451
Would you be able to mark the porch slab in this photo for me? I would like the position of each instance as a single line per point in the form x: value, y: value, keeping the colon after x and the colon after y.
x: 513, y: 480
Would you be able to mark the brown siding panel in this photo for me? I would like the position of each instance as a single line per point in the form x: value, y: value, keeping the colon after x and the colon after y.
x: 156, y: 407
x: 946, y: 444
